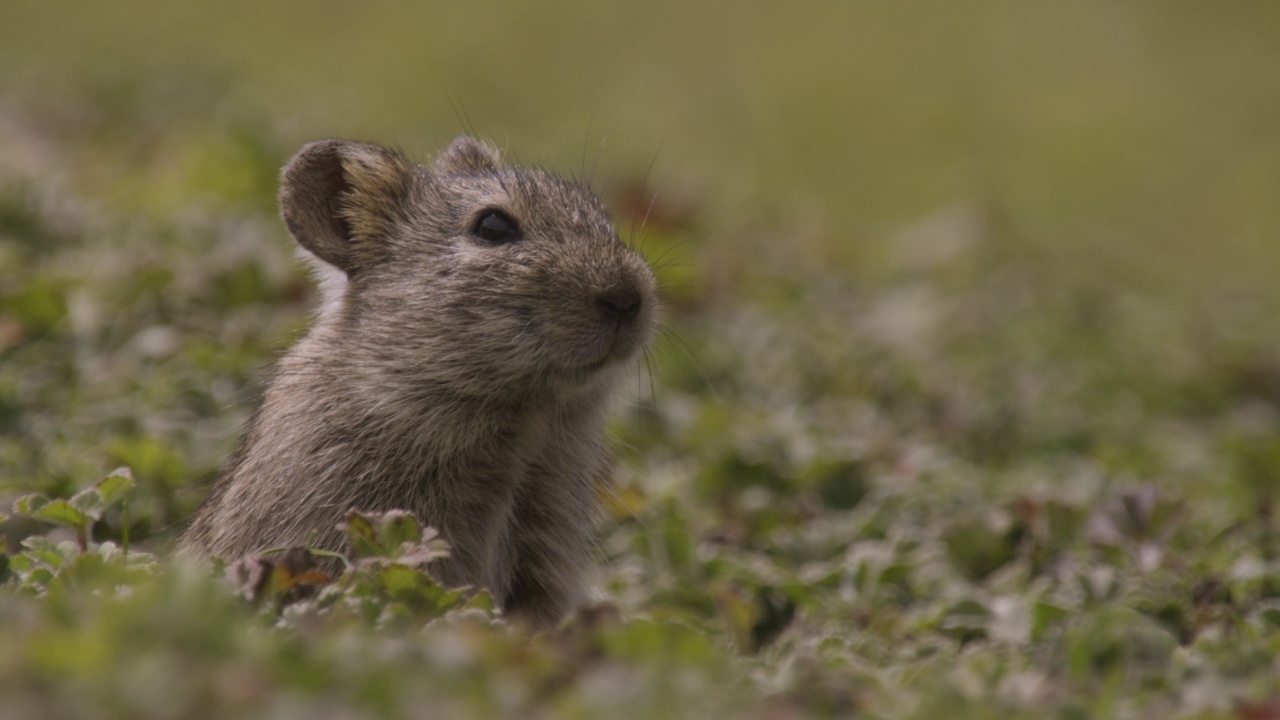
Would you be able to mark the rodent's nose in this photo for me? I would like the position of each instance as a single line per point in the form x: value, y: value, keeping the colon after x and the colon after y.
x: 620, y: 303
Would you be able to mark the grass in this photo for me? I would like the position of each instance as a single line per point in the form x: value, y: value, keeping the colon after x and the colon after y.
x: 974, y: 409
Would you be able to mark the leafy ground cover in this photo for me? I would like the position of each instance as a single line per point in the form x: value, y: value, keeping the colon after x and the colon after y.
x: 1007, y: 447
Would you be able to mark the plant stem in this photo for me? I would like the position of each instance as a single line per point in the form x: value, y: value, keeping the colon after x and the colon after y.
x: 124, y: 526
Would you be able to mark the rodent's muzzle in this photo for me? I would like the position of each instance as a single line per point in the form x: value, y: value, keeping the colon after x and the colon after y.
x: 620, y: 304
x: 625, y: 310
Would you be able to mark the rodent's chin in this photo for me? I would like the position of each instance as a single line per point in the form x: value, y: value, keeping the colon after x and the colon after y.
x: 586, y: 373
x: 623, y: 347
x: 593, y: 367
x: 590, y: 374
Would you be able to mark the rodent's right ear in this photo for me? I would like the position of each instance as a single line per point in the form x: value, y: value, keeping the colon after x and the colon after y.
x: 467, y: 155
x: 339, y: 198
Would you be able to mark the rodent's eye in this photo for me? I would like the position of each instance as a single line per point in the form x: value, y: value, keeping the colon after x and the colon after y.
x: 496, y: 226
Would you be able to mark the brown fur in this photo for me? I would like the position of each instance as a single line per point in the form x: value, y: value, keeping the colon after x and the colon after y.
x: 463, y: 380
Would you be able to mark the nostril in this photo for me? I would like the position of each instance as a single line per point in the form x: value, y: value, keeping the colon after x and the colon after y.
x: 619, y: 303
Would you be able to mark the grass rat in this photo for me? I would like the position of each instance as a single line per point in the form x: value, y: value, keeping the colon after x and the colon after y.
x: 474, y: 319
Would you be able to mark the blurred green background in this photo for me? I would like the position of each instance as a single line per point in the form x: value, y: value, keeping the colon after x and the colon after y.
x: 970, y: 400
x: 1137, y: 138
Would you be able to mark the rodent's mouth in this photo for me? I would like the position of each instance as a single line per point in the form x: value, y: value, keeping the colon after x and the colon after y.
x: 571, y: 378
x: 592, y: 367
x: 586, y: 370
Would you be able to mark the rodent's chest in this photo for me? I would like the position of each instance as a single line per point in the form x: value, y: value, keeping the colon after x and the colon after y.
x: 493, y: 455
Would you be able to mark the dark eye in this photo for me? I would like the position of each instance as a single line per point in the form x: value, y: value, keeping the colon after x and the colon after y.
x: 496, y: 227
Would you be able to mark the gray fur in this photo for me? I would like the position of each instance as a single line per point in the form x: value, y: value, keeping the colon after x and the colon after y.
x: 459, y: 379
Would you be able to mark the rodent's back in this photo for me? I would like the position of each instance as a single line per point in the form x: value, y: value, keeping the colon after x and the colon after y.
x: 474, y: 320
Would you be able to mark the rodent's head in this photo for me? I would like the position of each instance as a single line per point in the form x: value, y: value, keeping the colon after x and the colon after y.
x: 468, y: 273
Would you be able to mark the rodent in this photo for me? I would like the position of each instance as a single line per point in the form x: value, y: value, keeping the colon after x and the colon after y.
x: 475, y: 317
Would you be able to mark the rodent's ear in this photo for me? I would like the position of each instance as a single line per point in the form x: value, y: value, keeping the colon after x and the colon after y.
x: 467, y: 155
x: 340, y: 197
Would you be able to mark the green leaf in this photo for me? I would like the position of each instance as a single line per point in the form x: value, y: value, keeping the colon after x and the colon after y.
x: 116, y: 486
x: 399, y: 579
x: 29, y: 504
x: 94, y: 501
x: 21, y: 564
x: 46, y: 551
x: 39, y: 575
x: 400, y: 527
x: 61, y: 512
x: 359, y: 528
x: 1045, y: 616
x: 481, y: 600
x: 88, y: 501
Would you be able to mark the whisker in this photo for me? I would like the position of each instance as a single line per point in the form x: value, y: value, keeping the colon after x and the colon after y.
x: 631, y: 234
x: 639, y: 385
x: 459, y: 111
x: 648, y: 364
x: 688, y: 351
